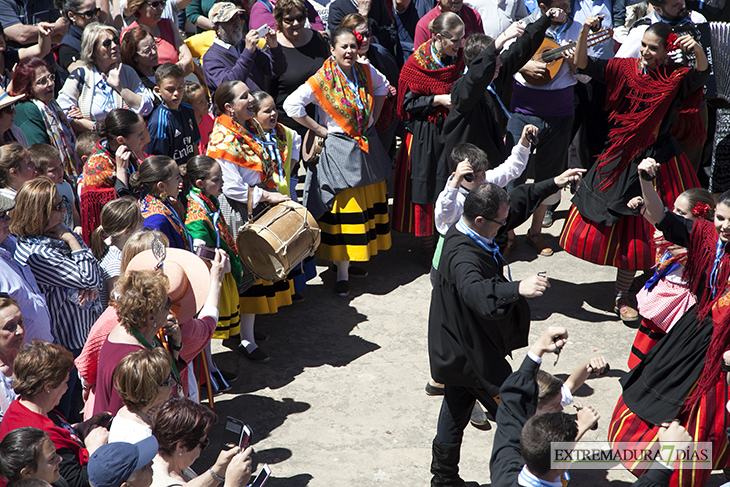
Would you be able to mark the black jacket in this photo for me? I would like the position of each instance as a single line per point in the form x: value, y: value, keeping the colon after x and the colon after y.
x: 477, y: 316
x: 477, y: 116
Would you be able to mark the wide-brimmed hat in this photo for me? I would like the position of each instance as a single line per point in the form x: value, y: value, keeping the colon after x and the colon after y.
x: 6, y: 99
x: 189, y: 279
x: 223, y: 12
x: 6, y: 204
x: 112, y: 464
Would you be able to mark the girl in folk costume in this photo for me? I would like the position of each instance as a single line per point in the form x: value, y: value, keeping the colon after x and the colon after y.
x: 249, y: 171
x: 107, y: 171
x: 159, y: 182
x: 345, y: 191
x: 646, y: 97
x: 684, y: 376
x: 208, y: 228
x: 424, y: 101
x: 284, y: 145
x: 665, y: 297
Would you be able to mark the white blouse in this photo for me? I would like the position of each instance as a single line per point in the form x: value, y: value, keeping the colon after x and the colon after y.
x: 296, y: 103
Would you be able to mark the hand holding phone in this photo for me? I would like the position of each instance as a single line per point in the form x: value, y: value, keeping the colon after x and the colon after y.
x: 263, y: 30
x: 262, y: 477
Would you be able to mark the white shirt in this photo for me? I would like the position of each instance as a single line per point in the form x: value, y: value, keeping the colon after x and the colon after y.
x: 586, y: 8
x: 450, y: 203
x: 127, y: 431
x: 296, y: 103
x: 497, y: 15
x: 631, y: 47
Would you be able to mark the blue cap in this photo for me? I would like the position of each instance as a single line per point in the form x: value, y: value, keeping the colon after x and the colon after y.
x: 113, y: 463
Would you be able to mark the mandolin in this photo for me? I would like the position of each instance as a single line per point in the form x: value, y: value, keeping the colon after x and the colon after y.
x: 551, y: 54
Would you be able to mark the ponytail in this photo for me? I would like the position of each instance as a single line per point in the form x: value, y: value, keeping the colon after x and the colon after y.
x: 98, y: 246
x: 118, y: 216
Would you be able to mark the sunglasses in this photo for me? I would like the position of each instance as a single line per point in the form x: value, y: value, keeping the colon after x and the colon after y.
x: 89, y: 14
x: 108, y: 42
x: 158, y: 5
x: 298, y: 18
x: 8, y: 109
x: 5, y: 215
x: 368, y: 33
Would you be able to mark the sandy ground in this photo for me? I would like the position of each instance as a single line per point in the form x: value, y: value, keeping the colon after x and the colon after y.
x: 342, y: 402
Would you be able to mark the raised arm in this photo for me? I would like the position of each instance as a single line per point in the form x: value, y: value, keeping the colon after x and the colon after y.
x: 580, y: 58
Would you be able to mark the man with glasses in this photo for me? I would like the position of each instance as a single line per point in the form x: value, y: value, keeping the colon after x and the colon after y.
x: 233, y: 57
x: 478, y: 315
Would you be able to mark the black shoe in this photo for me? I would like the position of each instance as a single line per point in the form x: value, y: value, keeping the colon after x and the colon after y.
x: 297, y: 298
x: 228, y: 376
x: 479, y: 418
x: 342, y: 288
x: 231, y: 342
x: 260, y: 336
x: 547, y: 220
x: 257, y: 355
x: 432, y: 390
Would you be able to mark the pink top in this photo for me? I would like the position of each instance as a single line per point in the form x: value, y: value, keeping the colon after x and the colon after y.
x: 205, y: 127
x: 88, y: 361
x: 472, y: 24
x: 166, y: 50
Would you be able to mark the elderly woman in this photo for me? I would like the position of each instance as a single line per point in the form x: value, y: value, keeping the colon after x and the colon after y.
x: 18, y: 283
x: 181, y: 428
x: 305, y: 50
x: 139, y: 51
x: 144, y: 380
x: 9, y: 132
x: 102, y: 83
x: 65, y: 269
x: 170, y: 45
x: 29, y: 453
x: 41, y: 372
x: 15, y: 169
x: 12, y: 334
x: 39, y: 116
x: 79, y: 14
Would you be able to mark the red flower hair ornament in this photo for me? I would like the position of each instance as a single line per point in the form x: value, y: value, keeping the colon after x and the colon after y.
x: 700, y: 210
x: 359, y: 39
x: 672, y: 42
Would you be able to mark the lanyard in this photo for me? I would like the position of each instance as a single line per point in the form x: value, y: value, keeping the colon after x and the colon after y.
x: 108, y: 105
x: 719, y: 252
x: 154, y: 344
x: 353, y: 86
x: 491, y: 89
x: 175, y: 216
x: 437, y: 59
x: 559, y: 32
x: 490, y: 247
x: 271, y: 145
x: 215, y: 216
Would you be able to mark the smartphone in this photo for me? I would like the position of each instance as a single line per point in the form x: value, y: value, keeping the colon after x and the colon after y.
x: 234, y: 433
x: 262, y: 477
x: 105, y: 421
x: 245, y: 437
x: 204, y: 252
x: 263, y: 30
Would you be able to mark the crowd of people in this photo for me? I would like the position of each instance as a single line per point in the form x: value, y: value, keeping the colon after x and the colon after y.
x: 134, y: 150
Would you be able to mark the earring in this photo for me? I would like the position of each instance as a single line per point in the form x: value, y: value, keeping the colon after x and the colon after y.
x: 180, y: 453
x: 163, y: 195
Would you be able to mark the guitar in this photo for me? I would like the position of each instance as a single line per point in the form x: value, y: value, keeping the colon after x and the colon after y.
x: 551, y: 54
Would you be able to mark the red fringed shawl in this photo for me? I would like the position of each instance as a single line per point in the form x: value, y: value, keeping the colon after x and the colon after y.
x: 700, y: 258
x: 637, y: 104
x: 419, y: 77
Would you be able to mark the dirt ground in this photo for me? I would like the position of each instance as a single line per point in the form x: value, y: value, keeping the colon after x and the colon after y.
x: 342, y: 402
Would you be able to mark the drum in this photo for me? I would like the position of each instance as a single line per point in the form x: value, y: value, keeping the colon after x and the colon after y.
x: 311, y: 147
x: 277, y: 240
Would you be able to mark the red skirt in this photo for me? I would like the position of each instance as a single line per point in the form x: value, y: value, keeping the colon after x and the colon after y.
x: 409, y: 217
x: 705, y: 421
x: 647, y: 336
x: 626, y: 244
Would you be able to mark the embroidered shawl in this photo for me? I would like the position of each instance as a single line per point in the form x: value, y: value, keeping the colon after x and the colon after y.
x: 337, y: 98
x: 151, y: 205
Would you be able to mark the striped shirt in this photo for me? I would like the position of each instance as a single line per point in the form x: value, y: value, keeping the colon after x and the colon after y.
x: 60, y: 274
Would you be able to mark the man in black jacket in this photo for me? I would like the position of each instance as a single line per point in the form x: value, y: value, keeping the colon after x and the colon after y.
x: 478, y: 316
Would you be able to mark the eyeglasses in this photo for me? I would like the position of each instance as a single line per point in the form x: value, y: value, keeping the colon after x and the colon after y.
x: 8, y: 109
x: 46, y: 80
x: 158, y: 5
x: 108, y: 42
x: 59, y: 207
x: 5, y: 215
x: 204, y: 443
x: 148, y: 51
x: 89, y: 14
x: 501, y: 224
x: 170, y: 380
x: 368, y: 33
x: 299, y: 18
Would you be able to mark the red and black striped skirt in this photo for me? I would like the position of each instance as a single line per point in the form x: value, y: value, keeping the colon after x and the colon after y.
x: 627, y: 243
x: 409, y: 217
